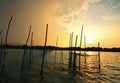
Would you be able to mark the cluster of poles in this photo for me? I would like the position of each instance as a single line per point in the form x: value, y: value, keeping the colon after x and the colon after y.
x: 72, y: 59
x: 3, y: 51
x: 72, y: 53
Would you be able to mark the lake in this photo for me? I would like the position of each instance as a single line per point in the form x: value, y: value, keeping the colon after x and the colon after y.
x: 56, y: 68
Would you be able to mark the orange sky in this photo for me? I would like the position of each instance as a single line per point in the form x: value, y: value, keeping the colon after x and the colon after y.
x: 100, y: 19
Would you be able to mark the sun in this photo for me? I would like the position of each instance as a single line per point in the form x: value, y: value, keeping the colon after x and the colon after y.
x: 89, y: 39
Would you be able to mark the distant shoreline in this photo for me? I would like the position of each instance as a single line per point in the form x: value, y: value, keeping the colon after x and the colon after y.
x: 64, y: 48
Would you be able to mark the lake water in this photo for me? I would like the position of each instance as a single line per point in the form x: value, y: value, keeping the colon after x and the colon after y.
x: 92, y: 69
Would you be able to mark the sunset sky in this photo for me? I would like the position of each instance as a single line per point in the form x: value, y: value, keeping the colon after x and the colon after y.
x: 100, y: 18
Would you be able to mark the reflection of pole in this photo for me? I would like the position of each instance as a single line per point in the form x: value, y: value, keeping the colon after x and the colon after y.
x: 55, y: 52
x: 99, y: 56
x: 84, y: 48
x: 4, y: 49
x: 70, y: 53
x: 31, y: 48
x: 44, y: 51
x: 61, y: 59
x: 74, y: 59
x: 80, y: 45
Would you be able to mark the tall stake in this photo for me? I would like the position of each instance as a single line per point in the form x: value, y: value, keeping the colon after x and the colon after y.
x: 22, y: 65
x: 80, y: 45
x: 70, y: 53
x: 41, y: 73
x: 74, y: 59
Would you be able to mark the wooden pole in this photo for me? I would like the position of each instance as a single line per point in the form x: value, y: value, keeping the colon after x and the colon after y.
x: 70, y: 62
x: 80, y: 45
x: 41, y: 73
x: 22, y: 65
x: 70, y: 53
x: 74, y: 59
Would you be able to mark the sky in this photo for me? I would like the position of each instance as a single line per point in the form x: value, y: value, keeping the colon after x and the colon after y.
x: 100, y: 19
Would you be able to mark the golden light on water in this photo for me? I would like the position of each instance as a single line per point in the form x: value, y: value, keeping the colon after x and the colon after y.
x: 89, y: 52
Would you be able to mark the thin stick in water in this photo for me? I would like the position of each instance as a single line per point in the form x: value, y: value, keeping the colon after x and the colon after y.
x: 70, y: 53
x: 25, y: 49
x: 44, y: 50
x: 80, y: 45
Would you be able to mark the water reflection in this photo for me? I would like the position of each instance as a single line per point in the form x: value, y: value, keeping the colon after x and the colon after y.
x: 95, y: 67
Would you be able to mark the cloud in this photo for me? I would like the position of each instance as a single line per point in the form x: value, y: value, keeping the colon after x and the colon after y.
x: 110, y: 17
x: 70, y: 11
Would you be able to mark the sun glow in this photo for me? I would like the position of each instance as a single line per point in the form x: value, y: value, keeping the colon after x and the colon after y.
x: 89, y: 39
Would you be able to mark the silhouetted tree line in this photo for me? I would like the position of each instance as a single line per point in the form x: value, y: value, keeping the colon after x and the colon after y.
x: 64, y: 48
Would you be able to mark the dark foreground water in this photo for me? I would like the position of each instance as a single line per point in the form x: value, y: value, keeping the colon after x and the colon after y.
x: 56, y: 70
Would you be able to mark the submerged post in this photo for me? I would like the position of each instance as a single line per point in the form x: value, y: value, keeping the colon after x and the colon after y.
x: 80, y: 45
x: 44, y: 49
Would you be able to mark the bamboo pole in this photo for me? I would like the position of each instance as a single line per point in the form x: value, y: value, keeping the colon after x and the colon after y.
x: 80, y: 46
x: 70, y: 53
x: 44, y: 50
x: 4, y: 49
x: 74, y: 59
x: 31, y: 48
x: 22, y: 65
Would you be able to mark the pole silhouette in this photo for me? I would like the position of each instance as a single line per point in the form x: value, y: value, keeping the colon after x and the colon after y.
x: 44, y: 49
